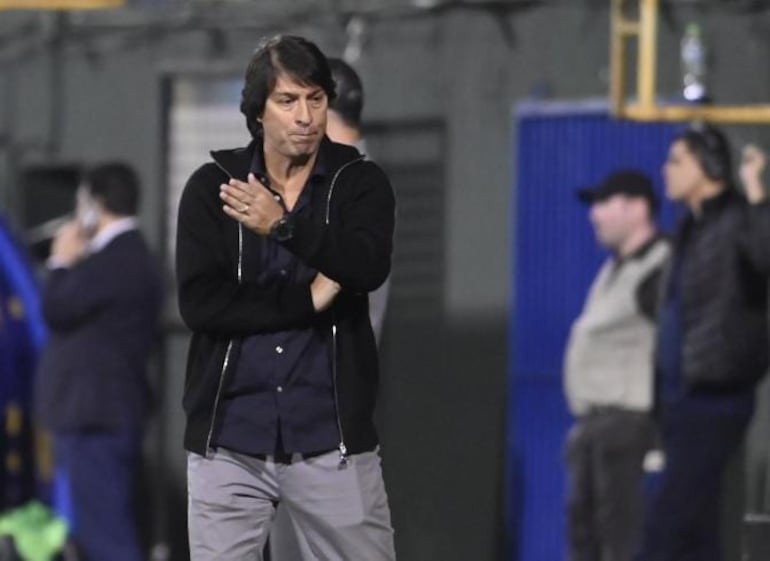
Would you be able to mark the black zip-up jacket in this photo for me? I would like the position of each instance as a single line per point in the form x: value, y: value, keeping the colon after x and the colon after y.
x: 348, y: 238
x: 725, y: 264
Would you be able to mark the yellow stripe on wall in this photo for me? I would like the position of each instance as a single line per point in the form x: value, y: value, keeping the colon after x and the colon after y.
x: 59, y: 4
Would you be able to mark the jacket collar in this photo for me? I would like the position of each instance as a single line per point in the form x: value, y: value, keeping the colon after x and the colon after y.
x: 641, y: 251
x: 719, y: 201
x: 110, y: 232
x: 258, y: 168
x: 711, y: 208
x: 237, y: 163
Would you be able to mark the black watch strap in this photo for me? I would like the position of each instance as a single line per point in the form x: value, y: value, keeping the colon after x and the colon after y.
x: 283, y: 230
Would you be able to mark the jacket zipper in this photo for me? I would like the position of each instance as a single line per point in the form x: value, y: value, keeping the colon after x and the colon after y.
x: 342, y: 448
x: 226, y: 360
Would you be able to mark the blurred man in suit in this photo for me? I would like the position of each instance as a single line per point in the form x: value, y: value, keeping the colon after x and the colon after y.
x: 102, y: 301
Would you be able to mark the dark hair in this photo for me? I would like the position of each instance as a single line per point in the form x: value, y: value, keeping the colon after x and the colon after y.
x: 350, y: 92
x: 294, y: 56
x: 710, y: 147
x: 116, y: 186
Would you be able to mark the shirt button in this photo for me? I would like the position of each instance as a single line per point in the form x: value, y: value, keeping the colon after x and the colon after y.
x: 283, y: 272
x: 279, y: 389
x: 279, y: 349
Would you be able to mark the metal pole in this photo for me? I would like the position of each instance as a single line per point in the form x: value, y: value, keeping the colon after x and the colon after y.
x: 617, y: 58
x: 648, y: 33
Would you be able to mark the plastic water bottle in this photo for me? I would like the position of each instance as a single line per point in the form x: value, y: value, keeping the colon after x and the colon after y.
x: 693, y: 54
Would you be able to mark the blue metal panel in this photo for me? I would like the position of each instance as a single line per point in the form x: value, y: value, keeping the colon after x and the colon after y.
x: 560, y: 149
x: 22, y: 334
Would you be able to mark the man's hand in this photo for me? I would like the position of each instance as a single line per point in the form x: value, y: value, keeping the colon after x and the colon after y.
x: 323, y: 291
x: 252, y: 204
x: 69, y: 245
x: 753, y: 163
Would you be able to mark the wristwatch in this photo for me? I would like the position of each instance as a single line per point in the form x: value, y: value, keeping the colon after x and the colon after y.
x: 283, y: 230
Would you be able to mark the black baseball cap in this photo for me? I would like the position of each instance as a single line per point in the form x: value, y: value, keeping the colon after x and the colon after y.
x: 628, y: 182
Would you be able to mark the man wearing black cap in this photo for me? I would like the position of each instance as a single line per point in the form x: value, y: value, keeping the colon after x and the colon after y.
x: 609, y: 372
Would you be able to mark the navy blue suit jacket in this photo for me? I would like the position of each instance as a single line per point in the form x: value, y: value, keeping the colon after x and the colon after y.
x: 103, y: 317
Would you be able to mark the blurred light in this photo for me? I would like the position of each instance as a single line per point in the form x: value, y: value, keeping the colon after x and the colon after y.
x: 355, y: 31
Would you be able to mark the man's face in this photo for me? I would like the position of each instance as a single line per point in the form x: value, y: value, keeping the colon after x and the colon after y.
x: 294, y: 119
x: 682, y: 172
x: 613, y: 220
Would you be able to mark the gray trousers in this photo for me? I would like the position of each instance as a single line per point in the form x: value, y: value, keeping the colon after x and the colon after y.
x: 605, y: 500
x: 342, y: 513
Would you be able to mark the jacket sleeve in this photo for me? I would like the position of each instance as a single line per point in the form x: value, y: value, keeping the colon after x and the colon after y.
x: 74, y: 295
x: 211, y: 298
x: 755, y: 237
x: 355, y: 248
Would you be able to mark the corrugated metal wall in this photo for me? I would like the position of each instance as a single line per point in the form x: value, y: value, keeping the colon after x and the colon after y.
x: 561, y: 147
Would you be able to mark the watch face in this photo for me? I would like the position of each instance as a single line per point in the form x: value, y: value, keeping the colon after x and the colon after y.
x: 282, y: 230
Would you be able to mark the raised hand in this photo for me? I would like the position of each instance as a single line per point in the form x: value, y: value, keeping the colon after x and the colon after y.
x: 251, y: 203
x: 753, y: 163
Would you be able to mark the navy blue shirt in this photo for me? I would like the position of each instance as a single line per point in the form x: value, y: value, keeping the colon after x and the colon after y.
x: 281, y: 395
x: 669, y: 355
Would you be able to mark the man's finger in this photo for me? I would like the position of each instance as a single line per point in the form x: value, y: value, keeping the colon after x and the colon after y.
x: 236, y: 193
x: 239, y: 185
x: 239, y: 202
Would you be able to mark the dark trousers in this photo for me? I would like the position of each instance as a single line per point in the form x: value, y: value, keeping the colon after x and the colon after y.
x: 700, y: 435
x: 605, y: 451
x: 100, y: 470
